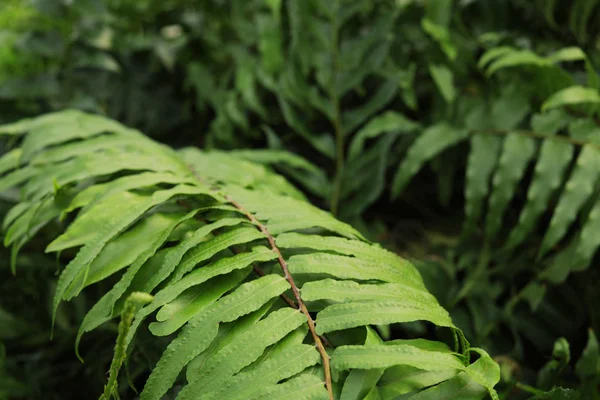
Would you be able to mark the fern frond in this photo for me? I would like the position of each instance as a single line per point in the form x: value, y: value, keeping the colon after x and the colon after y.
x: 564, y: 149
x: 553, y: 160
x: 248, y: 275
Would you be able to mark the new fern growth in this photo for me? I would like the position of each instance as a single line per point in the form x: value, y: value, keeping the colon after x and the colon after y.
x: 267, y: 296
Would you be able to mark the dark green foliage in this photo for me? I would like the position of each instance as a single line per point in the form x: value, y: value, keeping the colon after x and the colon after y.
x: 463, y: 135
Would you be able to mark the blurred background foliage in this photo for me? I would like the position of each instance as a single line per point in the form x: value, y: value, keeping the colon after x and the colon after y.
x: 454, y: 132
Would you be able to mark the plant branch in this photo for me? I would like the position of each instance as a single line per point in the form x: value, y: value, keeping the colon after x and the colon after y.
x: 337, y: 118
x: 288, y: 277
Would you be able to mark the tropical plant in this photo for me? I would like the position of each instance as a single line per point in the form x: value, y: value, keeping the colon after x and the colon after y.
x: 233, y: 260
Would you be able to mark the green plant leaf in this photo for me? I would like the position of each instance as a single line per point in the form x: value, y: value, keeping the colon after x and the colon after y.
x: 430, y: 143
x: 572, y: 95
x: 480, y: 166
x: 383, y: 356
x: 517, y: 152
x: 444, y: 80
x: 578, y: 189
x: 202, y: 329
x: 550, y: 168
x: 353, y: 314
x: 388, y: 122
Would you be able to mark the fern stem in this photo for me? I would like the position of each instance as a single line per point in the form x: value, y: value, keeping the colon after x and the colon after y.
x: 288, y: 277
x: 256, y: 270
x: 535, y: 135
x: 337, y: 120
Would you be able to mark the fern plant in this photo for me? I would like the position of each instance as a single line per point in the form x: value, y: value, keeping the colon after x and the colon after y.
x: 269, y: 296
x: 554, y: 153
x: 343, y: 65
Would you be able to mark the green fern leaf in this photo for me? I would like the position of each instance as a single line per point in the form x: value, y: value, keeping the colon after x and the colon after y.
x: 15, y: 178
x: 430, y: 143
x: 64, y: 126
x: 350, y: 315
x: 287, y: 360
x: 343, y: 291
x: 204, y: 295
x: 492, y: 55
x: 125, y: 249
x: 352, y: 268
x: 387, y: 122
x: 202, y: 329
x: 572, y: 95
x: 480, y: 166
x: 10, y: 161
x: 403, y: 379
x: 588, y: 239
x: 210, y: 245
x: 550, y: 168
x: 460, y: 387
x: 353, y: 118
x: 517, y: 151
x: 382, y: 356
x: 516, y: 58
x: 578, y: 189
x: 127, y: 210
x: 305, y: 387
x: 172, y: 260
x: 360, y: 382
x: 15, y: 212
x: 95, y: 193
x: 102, y: 311
x: 246, y: 348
